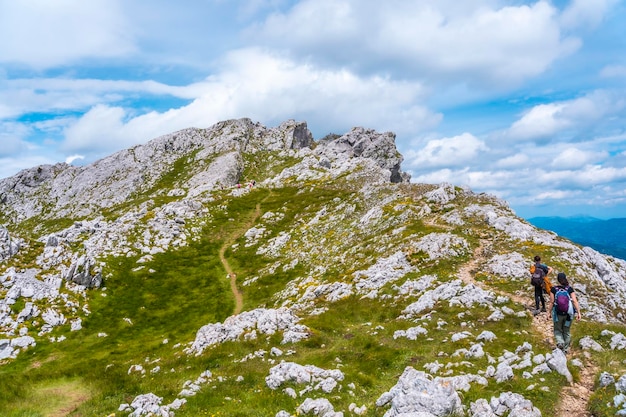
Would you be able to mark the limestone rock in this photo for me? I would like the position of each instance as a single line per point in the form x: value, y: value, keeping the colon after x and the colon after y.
x: 323, y: 379
x: 264, y: 321
x: 9, y: 246
x: 318, y: 407
x: 416, y: 392
x: 558, y: 362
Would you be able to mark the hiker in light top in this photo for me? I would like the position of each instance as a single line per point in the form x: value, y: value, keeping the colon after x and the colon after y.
x: 563, y: 309
x: 540, y: 288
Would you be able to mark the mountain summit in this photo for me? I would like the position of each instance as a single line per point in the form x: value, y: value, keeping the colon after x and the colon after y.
x: 246, y: 270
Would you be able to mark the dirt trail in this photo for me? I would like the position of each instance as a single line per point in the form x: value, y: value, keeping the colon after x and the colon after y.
x: 575, y: 397
x: 71, y: 401
x: 66, y: 397
x: 231, y: 275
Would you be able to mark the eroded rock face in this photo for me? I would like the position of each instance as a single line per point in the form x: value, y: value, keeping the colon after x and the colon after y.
x: 366, y: 143
x: 81, y: 191
x: 9, y: 246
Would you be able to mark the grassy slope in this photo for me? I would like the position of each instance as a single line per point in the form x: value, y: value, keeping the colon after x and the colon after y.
x: 188, y: 289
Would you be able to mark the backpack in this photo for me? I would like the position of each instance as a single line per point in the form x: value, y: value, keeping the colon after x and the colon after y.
x: 563, y: 302
x: 537, y: 276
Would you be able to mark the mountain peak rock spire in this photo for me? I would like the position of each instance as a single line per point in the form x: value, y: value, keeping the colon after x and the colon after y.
x: 210, y: 158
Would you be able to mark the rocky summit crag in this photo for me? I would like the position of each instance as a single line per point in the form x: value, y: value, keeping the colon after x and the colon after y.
x: 246, y: 270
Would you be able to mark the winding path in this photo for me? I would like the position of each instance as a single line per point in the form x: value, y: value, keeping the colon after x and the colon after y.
x: 231, y: 275
x: 574, y: 398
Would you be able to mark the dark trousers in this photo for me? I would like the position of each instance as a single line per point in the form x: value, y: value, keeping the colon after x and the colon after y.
x: 539, y: 298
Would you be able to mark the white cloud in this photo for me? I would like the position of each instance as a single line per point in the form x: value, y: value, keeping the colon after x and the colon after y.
x: 550, y: 119
x: 582, y: 179
x: 440, y: 176
x: 491, y: 181
x: 513, y: 161
x: 586, y: 13
x: 10, y: 145
x: 270, y: 89
x: 540, y: 121
x: 599, y: 175
x: 559, y: 189
x: 571, y: 158
x: 44, y: 34
x: 12, y: 137
x: 454, y: 151
x: 100, y: 129
x: 552, y: 195
x: 73, y: 158
x: 487, y: 44
x: 611, y: 71
x: 249, y: 8
x: 22, y: 96
x: 11, y: 165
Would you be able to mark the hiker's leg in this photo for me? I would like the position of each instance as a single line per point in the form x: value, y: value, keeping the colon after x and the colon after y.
x: 567, y: 338
x: 538, y: 297
x: 559, y: 337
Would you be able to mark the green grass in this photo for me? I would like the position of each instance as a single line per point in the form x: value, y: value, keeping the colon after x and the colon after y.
x: 57, y: 397
x: 179, y: 291
x: 27, y: 255
x: 186, y: 291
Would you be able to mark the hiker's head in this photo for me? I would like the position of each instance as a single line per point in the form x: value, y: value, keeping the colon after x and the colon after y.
x: 562, y: 278
x: 537, y: 258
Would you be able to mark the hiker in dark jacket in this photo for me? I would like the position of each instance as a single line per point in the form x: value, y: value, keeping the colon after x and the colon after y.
x: 563, y: 319
x: 540, y: 289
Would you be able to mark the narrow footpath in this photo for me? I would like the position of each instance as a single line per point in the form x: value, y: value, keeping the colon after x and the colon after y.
x: 229, y: 271
x: 573, y: 398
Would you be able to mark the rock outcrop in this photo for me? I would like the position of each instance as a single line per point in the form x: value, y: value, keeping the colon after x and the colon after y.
x: 8, y: 246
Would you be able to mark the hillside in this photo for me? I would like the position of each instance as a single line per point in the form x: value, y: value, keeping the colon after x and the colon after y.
x: 242, y: 270
x: 605, y: 236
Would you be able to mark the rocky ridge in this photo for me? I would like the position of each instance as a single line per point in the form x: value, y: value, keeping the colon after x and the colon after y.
x: 361, y: 246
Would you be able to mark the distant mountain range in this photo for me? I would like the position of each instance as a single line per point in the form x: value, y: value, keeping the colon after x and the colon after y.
x: 606, y: 236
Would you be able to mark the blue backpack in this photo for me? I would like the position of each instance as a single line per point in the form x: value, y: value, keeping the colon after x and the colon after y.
x: 563, y: 302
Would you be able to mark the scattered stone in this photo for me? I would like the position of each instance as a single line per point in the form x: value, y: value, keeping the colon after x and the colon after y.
x: 558, y: 362
x: 410, y: 333
x: 486, y: 336
x: 318, y: 407
x: 605, y: 379
x: 513, y: 404
x: 264, y: 321
x: 416, y: 392
x: 587, y: 343
x: 325, y: 380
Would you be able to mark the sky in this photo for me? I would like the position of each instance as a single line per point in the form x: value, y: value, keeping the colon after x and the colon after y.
x: 525, y: 100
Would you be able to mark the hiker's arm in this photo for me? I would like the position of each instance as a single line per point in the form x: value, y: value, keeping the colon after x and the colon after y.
x: 549, y: 270
x: 576, y: 306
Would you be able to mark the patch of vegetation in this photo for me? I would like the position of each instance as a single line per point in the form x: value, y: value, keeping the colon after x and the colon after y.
x: 51, y: 398
x: 43, y: 224
x: 265, y: 164
x: 26, y: 257
x: 138, y: 319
